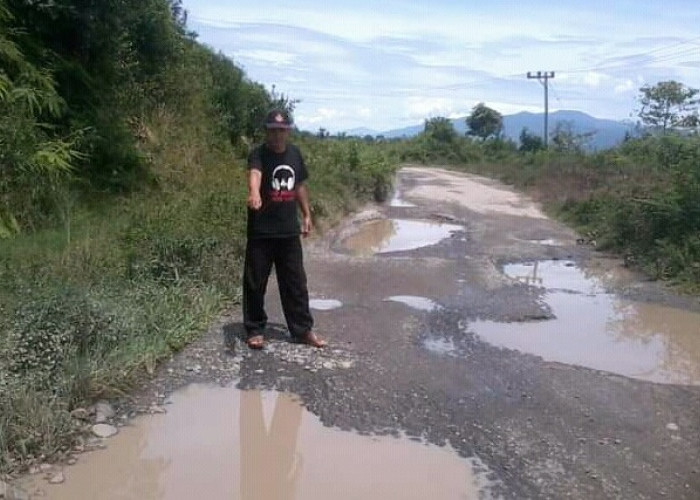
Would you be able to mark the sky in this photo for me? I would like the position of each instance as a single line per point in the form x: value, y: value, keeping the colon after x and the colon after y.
x: 388, y: 64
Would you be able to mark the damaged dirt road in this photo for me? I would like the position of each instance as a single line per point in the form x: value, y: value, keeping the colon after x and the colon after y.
x: 461, y: 317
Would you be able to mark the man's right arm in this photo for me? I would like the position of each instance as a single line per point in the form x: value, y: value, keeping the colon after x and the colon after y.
x: 254, y: 182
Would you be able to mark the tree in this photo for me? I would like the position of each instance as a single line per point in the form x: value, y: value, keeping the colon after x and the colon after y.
x: 566, y: 140
x: 36, y: 162
x: 669, y: 105
x: 484, y: 122
x: 530, y: 142
x: 440, y: 129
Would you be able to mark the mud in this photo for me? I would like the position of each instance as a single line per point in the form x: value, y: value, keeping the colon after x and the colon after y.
x: 541, y: 425
x: 253, y: 445
x: 396, y: 235
x: 596, y: 329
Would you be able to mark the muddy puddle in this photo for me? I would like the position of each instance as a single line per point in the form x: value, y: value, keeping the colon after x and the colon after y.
x: 414, y: 302
x: 445, y: 347
x: 222, y: 443
x: 599, y: 330
x: 398, y: 201
x: 325, y: 304
x: 396, y: 235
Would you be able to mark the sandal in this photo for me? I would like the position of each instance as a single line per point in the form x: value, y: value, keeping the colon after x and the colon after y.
x: 310, y: 338
x: 255, y: 342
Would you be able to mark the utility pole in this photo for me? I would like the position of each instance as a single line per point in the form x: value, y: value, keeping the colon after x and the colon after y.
x: 543, y: 77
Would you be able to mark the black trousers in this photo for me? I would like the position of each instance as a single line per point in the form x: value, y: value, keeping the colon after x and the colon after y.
x: 287, y: 256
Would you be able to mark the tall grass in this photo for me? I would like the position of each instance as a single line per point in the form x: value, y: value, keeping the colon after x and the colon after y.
x: 140, y: 277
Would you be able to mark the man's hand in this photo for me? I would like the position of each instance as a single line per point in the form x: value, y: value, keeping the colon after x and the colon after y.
x: 254, y: 181
x: 306, y: 226
x: 254, y: 200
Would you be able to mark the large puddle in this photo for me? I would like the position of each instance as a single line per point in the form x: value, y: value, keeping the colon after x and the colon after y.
x: 222, y: 443
x: 395, y: 235
x: 599, y: 330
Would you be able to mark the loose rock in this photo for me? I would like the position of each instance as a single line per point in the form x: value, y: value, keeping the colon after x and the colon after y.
x: 57, y: 478
x: 105, y: 409
x: 104, y: 430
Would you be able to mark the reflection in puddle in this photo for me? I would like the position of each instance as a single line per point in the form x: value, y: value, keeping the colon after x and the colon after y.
x: 420, y: 303
x: 395, y: 235
x: 440, y: 346
x: 397, y: 201
x: 222, y: 443
x: 599, y: 330
x: 324, y: 304
x: 550, y: 242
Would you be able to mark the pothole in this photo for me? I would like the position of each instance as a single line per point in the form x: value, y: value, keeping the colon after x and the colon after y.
x: 437, y: 345
x: 396, y: 235
x: 597, y: 329
x: 324, y: 304
x: 397, y: 201
x: 222, y: 443
x: 415, y: 302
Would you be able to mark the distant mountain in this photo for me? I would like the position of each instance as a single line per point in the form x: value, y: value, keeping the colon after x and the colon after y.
x: 362, y: 132
x: 398, y: 133
x: 607, y: 133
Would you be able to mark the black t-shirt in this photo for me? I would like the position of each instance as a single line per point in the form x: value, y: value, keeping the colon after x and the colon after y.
x: 282, y: 173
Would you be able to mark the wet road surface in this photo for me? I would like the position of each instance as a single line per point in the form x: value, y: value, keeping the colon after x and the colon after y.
x: 474, y: 348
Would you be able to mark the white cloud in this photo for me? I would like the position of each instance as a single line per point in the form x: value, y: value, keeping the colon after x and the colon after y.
x: 393, y: 63
x: 293, y: 79
x: 266, y: 56
x: 429, y: 107
x: 625, y: 86
x: 318, y: 116
x: 594, y: 79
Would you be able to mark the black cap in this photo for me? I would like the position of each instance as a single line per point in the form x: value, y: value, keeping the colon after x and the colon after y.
x: 278, y: 118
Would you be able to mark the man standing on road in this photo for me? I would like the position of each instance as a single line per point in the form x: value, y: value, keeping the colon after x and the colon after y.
x: 276, y: 186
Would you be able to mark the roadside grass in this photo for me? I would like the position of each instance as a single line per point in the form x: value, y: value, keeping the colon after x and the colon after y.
x: 75, y: 327
x: 140, y: 277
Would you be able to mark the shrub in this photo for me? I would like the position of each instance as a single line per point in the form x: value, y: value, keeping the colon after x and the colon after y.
x: 46, y: 332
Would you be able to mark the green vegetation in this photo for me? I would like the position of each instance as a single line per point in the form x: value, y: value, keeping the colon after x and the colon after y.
x: 122, y: 197
x: 669, y: 105
x: 484, y: 122
x: 640, y: 200
x: 122, y: 202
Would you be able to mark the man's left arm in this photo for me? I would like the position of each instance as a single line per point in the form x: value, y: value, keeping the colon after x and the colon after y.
x: 303, y: 199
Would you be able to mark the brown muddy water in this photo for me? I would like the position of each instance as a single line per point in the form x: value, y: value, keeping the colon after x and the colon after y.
x: 222, y: 443
x: 396, y: 235
x: 600, y: 330
x: 592, y: 328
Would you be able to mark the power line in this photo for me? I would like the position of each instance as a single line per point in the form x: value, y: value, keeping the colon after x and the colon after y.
x: 554, y: 91
x: 639, y: 57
